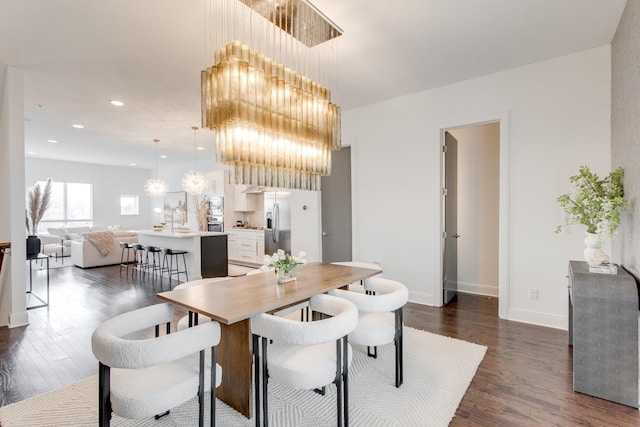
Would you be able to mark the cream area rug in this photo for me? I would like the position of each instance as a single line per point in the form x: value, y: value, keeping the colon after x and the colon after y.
x: 438, y: 371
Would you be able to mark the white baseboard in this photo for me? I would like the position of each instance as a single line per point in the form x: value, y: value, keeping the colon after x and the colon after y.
x: 18, y: 319
x: 537, y: 318
x: 474, y: 288
x: 421, y: 298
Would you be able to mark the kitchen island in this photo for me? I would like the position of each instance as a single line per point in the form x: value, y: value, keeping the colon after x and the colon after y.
x: 206, y: 250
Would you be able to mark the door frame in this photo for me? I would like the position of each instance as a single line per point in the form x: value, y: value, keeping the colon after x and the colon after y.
x: 503, y: 228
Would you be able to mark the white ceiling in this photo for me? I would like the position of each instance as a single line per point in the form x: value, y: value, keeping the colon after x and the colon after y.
x: 77, y: 55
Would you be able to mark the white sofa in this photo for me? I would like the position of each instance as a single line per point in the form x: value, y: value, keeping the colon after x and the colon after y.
x: 58, y: 239
x: 85, y: 254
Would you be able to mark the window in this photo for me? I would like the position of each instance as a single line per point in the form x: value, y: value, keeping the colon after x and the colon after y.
x: 129, y: 205
x: 71, y: 205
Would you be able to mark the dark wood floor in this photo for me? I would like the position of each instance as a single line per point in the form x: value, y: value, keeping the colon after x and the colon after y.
x: 525, y: 378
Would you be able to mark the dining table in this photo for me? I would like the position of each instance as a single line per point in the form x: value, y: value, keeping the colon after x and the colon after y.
x: 234, y: 302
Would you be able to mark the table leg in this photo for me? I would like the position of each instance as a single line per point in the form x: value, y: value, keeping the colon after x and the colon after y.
x: 235, y: 357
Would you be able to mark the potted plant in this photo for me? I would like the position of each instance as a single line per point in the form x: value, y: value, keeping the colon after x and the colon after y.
x: 38, y: 201
x: 595, y: 203
x: 283, y: 264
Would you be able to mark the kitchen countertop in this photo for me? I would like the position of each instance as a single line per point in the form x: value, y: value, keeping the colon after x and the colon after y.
x: 181, y: 234
x: 247, y: 228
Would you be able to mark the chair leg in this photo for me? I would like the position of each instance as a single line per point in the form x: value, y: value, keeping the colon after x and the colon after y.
x: 104, y: 395
x: 338, y: 382
x: 399, y: 348
x: 256, y: 377
x: 201, y: 391
x: 214, y: 381
x: 265, y: 382
x: 345, y: 381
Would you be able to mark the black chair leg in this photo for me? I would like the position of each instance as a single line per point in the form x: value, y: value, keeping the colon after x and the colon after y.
x: 256, y: 377
x: 399, y: 348
x: 265, y: 381
x: 201, y: 391
x: 214, y: 381
x: 104, y: 395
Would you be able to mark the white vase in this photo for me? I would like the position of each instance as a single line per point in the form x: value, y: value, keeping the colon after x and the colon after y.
x: 593, y: 253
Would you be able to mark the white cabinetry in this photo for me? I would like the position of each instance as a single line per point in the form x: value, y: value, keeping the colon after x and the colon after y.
x: 246, y: 246
x: 243, y: 202
x: 216, y: 180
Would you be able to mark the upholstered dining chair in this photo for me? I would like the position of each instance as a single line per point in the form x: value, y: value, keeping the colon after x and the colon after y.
x: 140, y: 377
x: 362, y: 285
x: 193, y: 318
x: 303, y: 306
x: 305, y: 355
x: 376, y: 324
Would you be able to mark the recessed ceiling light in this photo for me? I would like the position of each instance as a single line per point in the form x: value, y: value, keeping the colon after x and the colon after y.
x: 132, y: 164
x: 32, y: 152
x: 78, y: 126
x: 200, y: 148
x: 163, y: 157
x: 39, y: 106
x: 116, y: 103
x: 53, y: 141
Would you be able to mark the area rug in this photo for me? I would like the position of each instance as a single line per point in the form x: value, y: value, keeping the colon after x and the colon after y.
x: 438, y: 371
x: 238, y: 270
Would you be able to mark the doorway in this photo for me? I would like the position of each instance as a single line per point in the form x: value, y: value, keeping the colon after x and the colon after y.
x: 481, y: 228
x: 336, y: 208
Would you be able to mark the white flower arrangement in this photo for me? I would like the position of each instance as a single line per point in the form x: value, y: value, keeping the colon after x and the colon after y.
x: 282, y: 261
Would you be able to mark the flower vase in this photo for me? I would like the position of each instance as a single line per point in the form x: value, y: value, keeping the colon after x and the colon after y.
x: 284, y: 277
x: 33, y: 246
x: 593, y: 253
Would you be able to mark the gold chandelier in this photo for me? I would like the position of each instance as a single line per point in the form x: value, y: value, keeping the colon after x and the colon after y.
x: 275, y: 126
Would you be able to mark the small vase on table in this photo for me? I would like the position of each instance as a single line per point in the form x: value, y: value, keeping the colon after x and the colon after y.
x: 284, y: 277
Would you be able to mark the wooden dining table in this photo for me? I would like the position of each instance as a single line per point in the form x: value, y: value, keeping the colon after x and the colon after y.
x: 235, y: 301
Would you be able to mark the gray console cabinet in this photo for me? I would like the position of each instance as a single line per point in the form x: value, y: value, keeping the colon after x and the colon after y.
x: 603, y: 328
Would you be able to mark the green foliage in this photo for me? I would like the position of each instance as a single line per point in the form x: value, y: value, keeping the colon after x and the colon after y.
x: 595, y: 203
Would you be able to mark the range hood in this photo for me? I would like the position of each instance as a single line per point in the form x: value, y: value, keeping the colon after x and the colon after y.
x: 253, y: 189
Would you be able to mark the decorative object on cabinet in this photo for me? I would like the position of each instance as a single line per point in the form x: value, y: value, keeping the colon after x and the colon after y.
x: 595, y: 203
x: 603, y: 329
x: 194, y: 182
x: 294, y: 149
x: 38, y: 201
x: 155, y: 187
x: 173, y: 200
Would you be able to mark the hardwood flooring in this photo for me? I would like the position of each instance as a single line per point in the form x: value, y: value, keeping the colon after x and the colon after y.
x: 525, y: 378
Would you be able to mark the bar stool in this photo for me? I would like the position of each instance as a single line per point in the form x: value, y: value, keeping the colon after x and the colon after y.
x: 153, y: 264
x: 141, y: 261
x: 167, y: 263
x: 128, y: 247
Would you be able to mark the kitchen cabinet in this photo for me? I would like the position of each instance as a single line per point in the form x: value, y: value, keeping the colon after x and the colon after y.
x: 243, y: 202
x: 603, y: 329
x: 216, y: 180
x: 246, y: 246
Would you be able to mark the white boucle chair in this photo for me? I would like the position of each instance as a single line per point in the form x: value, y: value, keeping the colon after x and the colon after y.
x: 305, y: 355
x: 362, y: 285
x: 139, y: 378
x: 303, y: 306
x: 376, y: 325
x: 193, y: 318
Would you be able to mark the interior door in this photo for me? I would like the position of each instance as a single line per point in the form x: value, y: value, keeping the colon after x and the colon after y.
x: 450, y: 215
x: 336, y: 208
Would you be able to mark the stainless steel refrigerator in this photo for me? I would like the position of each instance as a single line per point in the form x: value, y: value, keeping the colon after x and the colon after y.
x: 277, y: 221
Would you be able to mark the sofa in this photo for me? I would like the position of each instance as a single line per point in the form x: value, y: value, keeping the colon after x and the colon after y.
x: 86, y: 254
x: 58, y: 239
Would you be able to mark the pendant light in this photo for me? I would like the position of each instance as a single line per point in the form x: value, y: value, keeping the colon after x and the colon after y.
x: 194, y: 182
x: 155, y: 187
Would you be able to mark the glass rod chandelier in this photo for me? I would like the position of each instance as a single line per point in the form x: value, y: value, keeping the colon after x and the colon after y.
x: 275, y: 126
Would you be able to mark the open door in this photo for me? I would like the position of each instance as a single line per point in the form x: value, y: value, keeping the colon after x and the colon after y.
x: 450, y: 215
x: 336, y: 208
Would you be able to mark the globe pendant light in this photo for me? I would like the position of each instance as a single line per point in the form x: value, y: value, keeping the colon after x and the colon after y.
x: 155, y: 187
x: 194, y: 182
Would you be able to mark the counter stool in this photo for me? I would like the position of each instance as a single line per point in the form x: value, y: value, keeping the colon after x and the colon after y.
x: 168, y: 260
x: 128, y: 247
x: 140, y: 260
x: 153, y: 264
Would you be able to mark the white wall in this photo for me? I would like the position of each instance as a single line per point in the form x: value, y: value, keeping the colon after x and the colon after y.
x: 108, y: 183
x: 559, y: 119
x: 478, y: 202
